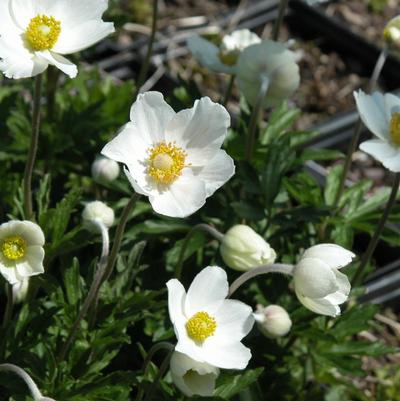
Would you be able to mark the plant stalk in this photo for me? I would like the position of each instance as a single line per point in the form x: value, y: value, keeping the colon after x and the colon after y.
x: 228, y: 92
x: 146, y: 63
x: 199, y: 227
x: 251, y: 138
x: 9, y: 306
x: 357, y: 130
x: 30, y: 163
x: 93, y: 291
x: 375, y: 238
x: 258, y: 271
x: 278, y: 23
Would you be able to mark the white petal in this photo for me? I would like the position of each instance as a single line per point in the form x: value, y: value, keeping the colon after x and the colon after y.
x: 151, y: 114
x: 181, y: 199
x: 392, y: 105
x: 22, y: 11
x: 321, y: 306
x: 10, y: 274
x: 35, y: 257
x: 239, y: 40
x: 82, y: 36
x: 176, y: 300
x: 208, y: 54
x: 226, y: 356
x: 200, y: 130
x: 210, y: 286
x: 333, y: 255
x: 217, y: 172
x: 60, y: 62
x: 373, y: 113
x: 234, y: 320
x: 128, y: 146
x: 31, y: 232
x: 384, y: 152
x: 314, y: 278
x: 137, y: 181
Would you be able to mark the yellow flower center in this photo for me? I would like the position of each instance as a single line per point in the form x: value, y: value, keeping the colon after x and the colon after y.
x: 43, y: 32
x: 395, y: 128
x: 201, y: 326
x: 228, y: 58
x: 13, y: 248
x: 166, y: 162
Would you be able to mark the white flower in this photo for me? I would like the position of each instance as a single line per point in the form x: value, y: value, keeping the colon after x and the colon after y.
x: 36, y: 33
x: 208, y: 326
x: 21, y: 250
x: 318, y: 283
x: 174, y: 158
x: 273, y: 321
x: 391, y: 33
x: 20, y: 290
x: 192, y: 377
x: 243, y: 249
x: 105, y: 169
x: 97, y: 211
x: 381, y: 114
x: 269, y: 62
x: 223, y: 58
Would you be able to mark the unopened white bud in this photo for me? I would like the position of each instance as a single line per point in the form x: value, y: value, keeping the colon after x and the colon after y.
x: 273, y: 321
x: 243, y: 249
x: 97, y: 212
x: 20, y: 290
x: 193, y: 377
x: 105, y: 169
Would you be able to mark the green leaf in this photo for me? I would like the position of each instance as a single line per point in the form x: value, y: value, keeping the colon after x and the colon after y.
x: 332, y: 184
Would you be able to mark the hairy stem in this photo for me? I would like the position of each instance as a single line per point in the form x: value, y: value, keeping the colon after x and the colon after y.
x: 30, y: 163
x: 199, y: 227
x: 93, y: 291
x: 146, y: 63
x: 258, y: 271
x: 375, y: 238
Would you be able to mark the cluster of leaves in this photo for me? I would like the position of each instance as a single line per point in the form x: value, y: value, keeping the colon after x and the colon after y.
x: 274, y: 194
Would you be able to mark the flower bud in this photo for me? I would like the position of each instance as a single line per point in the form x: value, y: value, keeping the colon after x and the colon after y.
x: 20, y: 290
x: 273, y: 321
x: 97, y: 212
x: 318, y: 283
x: 192, y: 377
x: 105, y: 169
x: 391, y: 33
x: 243, y: 249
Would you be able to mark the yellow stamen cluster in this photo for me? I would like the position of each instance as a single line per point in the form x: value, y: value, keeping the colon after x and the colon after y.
x: 166, y: 162
x: 13, y: 248
x: 201, y: 326
x: 43, y: 32
x: 229, y: 58
x: 395, y: 128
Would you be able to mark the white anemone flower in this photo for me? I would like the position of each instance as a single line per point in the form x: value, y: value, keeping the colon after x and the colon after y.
x: 192, y: 377
x: 381, y: 115
x: 21, y: 250
x: 174, y: 158
x: 224, y: 57
x: 268, y: 63
x: 36, y: 33
x: 318, y: 283
x: 209, y: 327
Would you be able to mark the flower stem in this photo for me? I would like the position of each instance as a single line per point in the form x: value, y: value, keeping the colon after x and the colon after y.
x: 28, y: 209
x: 33, y: 388
x: 228, y: 92
x: 145, y: 66
x: 154, y: 349
x: 278, y: 23
x: 375, y: 238
x: 161, y: 372
x: 93, y: 291
x: 9, y: 306
x: 199, y: 227
x: 357, y: 130
x: 272, y: 268
x: 251, y: 138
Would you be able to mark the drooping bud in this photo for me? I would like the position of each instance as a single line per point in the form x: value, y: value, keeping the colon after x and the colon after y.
x: 243, y: 249
x: 97, y: 212
x: 20, y: 290
x: 105, y: 170
x: 391, y: 33
x: 273, y: 321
